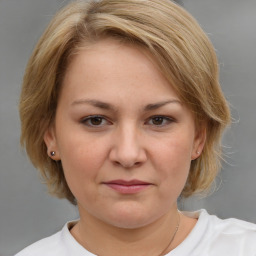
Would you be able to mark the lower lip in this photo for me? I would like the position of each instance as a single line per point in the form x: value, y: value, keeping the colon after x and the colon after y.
x: 131, y: 189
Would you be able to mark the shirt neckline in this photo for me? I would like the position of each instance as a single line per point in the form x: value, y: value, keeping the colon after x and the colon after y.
x: 185, y: 248
x: 195, y: 237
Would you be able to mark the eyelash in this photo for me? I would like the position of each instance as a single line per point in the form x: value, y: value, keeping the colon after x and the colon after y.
x: 166, y: 119
x: 88, y: 121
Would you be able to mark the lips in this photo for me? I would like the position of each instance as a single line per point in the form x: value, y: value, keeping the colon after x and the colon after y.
x: 127, y: 187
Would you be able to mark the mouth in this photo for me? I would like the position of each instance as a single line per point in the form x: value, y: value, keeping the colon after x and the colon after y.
x: 127, y: 187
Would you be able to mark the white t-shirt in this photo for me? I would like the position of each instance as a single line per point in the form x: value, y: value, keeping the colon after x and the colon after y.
x: 211, y: 236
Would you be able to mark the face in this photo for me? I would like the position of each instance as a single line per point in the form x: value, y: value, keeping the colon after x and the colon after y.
x: 124, y: 138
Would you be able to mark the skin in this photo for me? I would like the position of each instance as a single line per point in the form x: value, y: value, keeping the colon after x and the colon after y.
x: 141, y: 131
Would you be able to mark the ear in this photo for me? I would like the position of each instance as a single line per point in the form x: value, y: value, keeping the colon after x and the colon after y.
x: 51, y: 143
x: 199, y: 141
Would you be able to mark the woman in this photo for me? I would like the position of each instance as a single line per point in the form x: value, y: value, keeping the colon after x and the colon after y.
x: 122, y: 112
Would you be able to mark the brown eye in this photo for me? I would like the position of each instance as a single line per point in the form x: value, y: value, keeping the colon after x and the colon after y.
x: 157, y: 120
x: 94, y: 121
x: 160, y: 121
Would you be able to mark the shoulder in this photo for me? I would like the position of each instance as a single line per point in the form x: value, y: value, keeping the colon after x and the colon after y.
x: 47, y: 246
x: 231, y: 226
x: 213, y: 236
x: 59, y: 244
x: 228, y: 235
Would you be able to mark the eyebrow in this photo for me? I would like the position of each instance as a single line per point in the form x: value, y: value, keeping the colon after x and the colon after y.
x: 160, y: 104
x: 95, y: 103
x: 107, y: 106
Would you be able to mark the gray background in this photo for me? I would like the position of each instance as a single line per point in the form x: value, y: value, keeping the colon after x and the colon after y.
x: 27, y: 213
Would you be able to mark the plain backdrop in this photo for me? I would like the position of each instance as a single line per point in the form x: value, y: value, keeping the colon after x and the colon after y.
x: 28, y: 213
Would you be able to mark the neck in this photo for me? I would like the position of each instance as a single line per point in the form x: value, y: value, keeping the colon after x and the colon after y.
x: 91, y: 233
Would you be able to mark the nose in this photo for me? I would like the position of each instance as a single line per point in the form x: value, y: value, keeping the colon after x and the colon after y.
x: 127, y: 150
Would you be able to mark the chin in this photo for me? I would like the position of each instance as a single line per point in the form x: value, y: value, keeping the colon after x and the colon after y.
x: 131, y: 218
x: 130, y: 223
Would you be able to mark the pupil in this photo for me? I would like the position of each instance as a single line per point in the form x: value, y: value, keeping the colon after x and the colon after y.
x: 96, y: 120
x: 157, y: 120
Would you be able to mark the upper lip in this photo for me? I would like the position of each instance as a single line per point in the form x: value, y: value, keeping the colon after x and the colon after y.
x: 127, y: 182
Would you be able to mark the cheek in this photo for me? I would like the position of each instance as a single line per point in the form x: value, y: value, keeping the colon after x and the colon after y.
x: 172, y: 159
x: 81, y: 160
x: 79, y: 149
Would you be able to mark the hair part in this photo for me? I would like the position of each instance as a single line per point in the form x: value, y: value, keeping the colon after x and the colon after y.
x: 177, y: 44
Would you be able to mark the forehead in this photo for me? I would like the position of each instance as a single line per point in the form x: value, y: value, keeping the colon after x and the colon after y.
x: 119, y: 77
x: 102, y: 65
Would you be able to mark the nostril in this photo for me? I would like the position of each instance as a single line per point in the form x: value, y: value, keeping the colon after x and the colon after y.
x: 116, y: 163
x: 127, y: 157
x: 126, y: 165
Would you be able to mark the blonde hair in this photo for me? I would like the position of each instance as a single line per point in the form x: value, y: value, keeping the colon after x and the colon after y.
x: 181, y: 49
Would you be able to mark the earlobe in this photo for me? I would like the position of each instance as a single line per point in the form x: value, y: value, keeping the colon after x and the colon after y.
x: 199, y: 143
x: 51, y: 143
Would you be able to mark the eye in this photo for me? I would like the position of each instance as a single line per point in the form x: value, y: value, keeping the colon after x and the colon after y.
x: 160, y: 120
x: 95, y: 121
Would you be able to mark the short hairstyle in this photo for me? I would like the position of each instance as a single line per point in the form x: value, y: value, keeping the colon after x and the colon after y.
x: 170, y: 34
